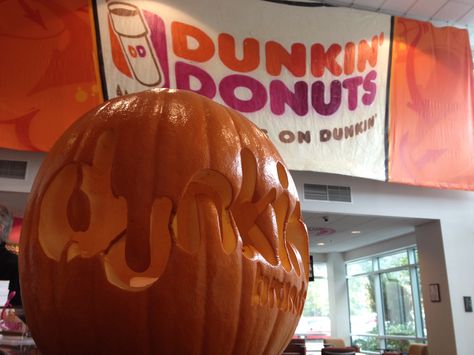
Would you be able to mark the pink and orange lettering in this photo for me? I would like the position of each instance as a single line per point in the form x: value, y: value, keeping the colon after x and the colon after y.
x: 181, y: 32
x: 229, y: 84
x: 227, y: 53
x: 277, y: 57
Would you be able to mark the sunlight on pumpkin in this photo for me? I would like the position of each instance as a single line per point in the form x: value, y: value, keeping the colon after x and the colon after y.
x: 263, y: 290
x: 79, y: 200
x: 187, y: 221
x: 218, y: 239
x: 116, y: 268
x: 249, y: 175
x: 258, y: 240
x: 282, y: 175
x: 104, y: 206
x: 295, y: 259
x: 78, y: 206
x: 246, y: 211
x: 54, y: 229
x: 281, y: 207
x: 73, y: 251
x: 77, y: 203
x: 297, y: 235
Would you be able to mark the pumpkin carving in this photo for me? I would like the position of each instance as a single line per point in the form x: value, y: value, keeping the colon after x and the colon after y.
x: 163, y: 223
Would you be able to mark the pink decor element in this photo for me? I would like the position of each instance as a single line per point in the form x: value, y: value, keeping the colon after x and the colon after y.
x: 16, y: 230
x: 320, y: 231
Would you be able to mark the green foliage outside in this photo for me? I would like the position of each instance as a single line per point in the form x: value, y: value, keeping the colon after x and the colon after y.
x: 366, y: 343
x: 397, y: 303
x: 317, y: 302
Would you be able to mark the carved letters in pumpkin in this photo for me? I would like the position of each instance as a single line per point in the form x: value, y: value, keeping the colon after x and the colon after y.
x: 164, y: 205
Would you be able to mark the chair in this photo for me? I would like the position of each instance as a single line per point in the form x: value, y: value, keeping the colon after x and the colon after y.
x: 418, y: 349
x: 413, y: 349
x: 295, y: 347
x: 345, y: 350
x: 337, y: 342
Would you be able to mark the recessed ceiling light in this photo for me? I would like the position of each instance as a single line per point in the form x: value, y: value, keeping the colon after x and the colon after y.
x: 355, y: 232
x: 320, y: 244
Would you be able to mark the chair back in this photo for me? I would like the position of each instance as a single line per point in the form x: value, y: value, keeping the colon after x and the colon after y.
x: 418, y: 349
x: 345, y: 350
x: 337, y: 342
x: 295, y: 347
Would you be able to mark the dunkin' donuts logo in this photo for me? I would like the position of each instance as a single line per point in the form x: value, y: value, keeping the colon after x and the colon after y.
x: 138, y: 44
x: 300, y: 78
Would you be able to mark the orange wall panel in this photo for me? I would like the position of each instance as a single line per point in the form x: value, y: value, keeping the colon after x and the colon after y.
x: 431, y: 131
x: 48, y: 70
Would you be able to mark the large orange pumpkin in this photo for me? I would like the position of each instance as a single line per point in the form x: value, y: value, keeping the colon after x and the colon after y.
x: 163, y: 223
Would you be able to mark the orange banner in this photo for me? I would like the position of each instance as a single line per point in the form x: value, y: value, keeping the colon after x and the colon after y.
x: 323, y: 112
x: 48, y: 70
x: 431, y: 133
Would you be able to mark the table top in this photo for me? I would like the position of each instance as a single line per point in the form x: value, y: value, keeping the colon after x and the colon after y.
x: 16, y: 340
x: 17, y: 345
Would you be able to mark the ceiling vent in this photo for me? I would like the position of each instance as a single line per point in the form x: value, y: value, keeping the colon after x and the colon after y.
x: 327, y: 193
x: 13, y: 169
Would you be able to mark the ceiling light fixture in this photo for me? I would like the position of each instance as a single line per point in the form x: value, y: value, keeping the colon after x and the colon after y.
x: 355, y: 232
x: 320, y: 244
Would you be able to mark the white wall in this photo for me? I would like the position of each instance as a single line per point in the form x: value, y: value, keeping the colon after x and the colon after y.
x: 400, y: 242
x: 454, y: 210
x: 433, y: 271
x: 33, y: 160
x: 338, y: 298
x: 14, y: 192
x: 14, y: 201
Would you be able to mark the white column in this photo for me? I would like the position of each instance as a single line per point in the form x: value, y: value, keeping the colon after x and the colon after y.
x: 439, y: 318
x: 338, y: 299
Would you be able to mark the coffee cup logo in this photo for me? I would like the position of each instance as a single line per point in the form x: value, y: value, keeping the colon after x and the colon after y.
x: 132, y: 32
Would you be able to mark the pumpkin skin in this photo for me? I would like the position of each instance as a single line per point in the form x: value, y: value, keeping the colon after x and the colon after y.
x: 163, y: 223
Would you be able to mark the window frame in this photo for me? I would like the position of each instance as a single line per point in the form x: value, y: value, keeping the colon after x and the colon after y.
x: 324, y: 278
x: 413, y: 270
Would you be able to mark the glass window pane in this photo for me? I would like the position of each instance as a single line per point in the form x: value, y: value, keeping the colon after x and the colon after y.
x: 366, y: 343
x: 400, y: 345
x: 398, y: 303
x: 359, y: 267
x: 363, y: 314
x: 320, y: 270
x: 393, y: 260
x: 315, y: 319
x: 423, y: 321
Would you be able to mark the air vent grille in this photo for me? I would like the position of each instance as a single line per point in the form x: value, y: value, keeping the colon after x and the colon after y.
x: 13, y: 169
x: 327, y: 193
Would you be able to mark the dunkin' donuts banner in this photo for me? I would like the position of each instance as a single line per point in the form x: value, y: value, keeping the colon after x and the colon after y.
x: 337, y: 90
x: 319, y: 90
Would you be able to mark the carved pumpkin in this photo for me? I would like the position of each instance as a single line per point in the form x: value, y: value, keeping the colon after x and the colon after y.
x: 163, y: 223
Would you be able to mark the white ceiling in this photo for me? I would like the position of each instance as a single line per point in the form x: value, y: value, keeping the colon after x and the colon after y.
x: 459, y: 13
x: 336, y: 230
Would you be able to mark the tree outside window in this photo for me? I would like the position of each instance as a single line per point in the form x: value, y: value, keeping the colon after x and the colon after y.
x: 385, y: 303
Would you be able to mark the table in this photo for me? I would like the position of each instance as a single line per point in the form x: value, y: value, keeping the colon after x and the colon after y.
x: 18, y: 345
